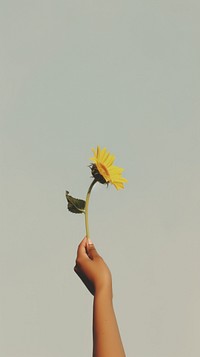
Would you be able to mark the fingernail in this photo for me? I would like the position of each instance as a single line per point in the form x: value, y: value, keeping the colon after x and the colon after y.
x: 89, y: 241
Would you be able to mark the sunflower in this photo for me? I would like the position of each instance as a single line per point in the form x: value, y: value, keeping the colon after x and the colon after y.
x: 103, y: 169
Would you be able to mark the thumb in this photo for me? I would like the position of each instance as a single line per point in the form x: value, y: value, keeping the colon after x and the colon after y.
x: 91, y: 250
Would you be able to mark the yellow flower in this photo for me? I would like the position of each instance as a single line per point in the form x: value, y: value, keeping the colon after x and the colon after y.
x: 103, y: 169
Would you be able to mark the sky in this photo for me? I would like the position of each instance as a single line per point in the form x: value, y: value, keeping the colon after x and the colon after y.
x: 124, y: 75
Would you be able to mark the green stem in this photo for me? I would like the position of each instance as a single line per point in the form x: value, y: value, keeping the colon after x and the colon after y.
x: 86, y: 208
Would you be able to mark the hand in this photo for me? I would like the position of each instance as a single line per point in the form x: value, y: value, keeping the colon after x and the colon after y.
x: 91, y: 268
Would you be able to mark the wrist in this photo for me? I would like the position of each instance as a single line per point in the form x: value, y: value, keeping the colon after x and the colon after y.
x: 104, y: 292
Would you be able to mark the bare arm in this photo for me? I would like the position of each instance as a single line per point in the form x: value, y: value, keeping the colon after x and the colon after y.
x: 95, y: 274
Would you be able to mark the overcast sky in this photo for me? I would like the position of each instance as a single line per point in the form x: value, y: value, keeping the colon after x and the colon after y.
x: 124, y: 75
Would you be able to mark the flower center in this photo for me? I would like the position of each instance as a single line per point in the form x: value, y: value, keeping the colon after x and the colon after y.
x: 97, y: 174
x: 104, y: 168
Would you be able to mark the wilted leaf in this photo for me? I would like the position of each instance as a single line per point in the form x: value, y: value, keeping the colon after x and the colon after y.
x: 75, y: 205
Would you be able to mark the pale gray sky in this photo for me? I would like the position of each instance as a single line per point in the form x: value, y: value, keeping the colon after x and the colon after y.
x: 125, y: 75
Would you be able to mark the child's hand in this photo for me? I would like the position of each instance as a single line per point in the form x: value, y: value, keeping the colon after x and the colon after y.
x: 92, y: 269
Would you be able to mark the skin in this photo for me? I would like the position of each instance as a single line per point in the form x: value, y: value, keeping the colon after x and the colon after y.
x: 95, y: 274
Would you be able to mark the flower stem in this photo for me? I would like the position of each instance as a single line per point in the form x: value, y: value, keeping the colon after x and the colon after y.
x: 86, y: 208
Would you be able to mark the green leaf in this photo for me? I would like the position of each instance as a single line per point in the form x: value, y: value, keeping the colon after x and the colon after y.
x: 75, y: 205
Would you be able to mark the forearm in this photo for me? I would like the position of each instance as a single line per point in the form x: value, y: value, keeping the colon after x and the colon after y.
x: 106, y: 336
